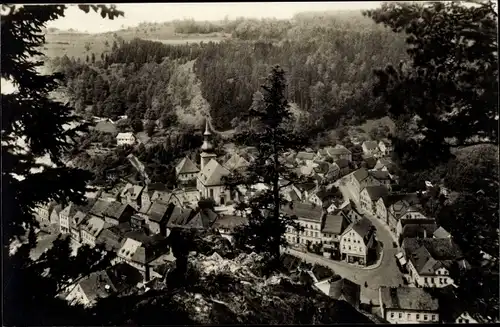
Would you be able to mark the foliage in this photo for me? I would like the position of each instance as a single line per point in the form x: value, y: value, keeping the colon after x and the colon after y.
x: 267, y: 224
x: 45, y: 125
x: 447, y: 95
x: 446, y: 98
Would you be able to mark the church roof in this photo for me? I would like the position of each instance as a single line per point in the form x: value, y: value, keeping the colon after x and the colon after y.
x: 186, y: 166
x: 212, y: 174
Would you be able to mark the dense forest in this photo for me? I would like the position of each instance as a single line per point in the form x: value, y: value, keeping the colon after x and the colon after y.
x: 328, y: 60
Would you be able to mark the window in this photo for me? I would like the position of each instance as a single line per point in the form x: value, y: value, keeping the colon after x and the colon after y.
x: 408, y: 317
x: 440, y: 280
x: 211, y: 193
x: 349, y: 247
x: 425, y: 280
x: 315, y: 234
x: 425, y: 317
x: 392, y: 314
x: 418, y: 316
x: 400, y: 315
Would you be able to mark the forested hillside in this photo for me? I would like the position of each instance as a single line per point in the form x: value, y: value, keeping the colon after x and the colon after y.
x: 328, y: 59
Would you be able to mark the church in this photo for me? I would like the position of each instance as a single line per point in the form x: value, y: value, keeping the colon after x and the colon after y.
x: 209, y: 179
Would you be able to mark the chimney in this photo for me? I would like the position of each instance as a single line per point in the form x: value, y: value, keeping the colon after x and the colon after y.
x: 425, y: 233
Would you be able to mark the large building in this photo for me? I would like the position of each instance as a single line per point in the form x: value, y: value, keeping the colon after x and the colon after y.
x: 209, y: 182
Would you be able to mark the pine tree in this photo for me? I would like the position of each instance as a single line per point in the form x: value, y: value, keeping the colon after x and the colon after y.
x: 30, y: 287
x: 87, y: 59
x: 93, y: 58
x: 267, y: 224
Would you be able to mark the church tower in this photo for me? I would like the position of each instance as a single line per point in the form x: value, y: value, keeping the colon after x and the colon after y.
x: 207, y: 153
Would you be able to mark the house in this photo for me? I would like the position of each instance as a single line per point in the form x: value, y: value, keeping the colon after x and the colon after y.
x: 385, y: 147
x: 452, y: 310
x: 303, y: 190
x: 210, y: 183
x: 158, y: 215
x: 306, y: 170
x: 344, y: 167
x: 131, y: 195
x: 383, y: 177
x: 349, y: 211
x: 321, y: 168
x: 290, y: 194
x: 357, y: 241
x: 186, y: 170
x: 358, y: 180
x: 43, y: 211
x: 202, y: 219
x: 339, y: 152
x: 370, y: 148
x: 179, y: 218
x: 304, y: 158
x: 369, y: 161
x: 125, y: 139
x: 91, y: 229
x: 408, y: 305
x: 140, y: 250
x: 186, y: 197
x: 412, y: 230
x: 308, y: 216
x: 415, y: 222
x: 64, y: 217
x: 332, y: 227
x: 406, y: 206
x: 333, y: 172
x: 99, y: 208
x: 341, y: 289
x: 441, y: 233
x: 370, y: 195
x: 148, y: 192
x: 429, y: 260
x: 78, y: 218
x: 109, y: 237
x: 227, y: 224
x: 117, y: 213
x: 115, y: 280
x: 236, y: 162
x: 55, y: 220
x: 320, y: 197
x: 385, y: 164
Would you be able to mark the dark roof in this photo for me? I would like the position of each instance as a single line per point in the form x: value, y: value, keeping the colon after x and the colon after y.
x: 441, y: 233
x: 230, y: 222
x: 370, y: 161
x: 110, y: 239
x: 151, y: 188
x: 429, y: 254
x: 376, y: 192
x: 418, y: 230
x: 334, y: 224
x: 179, y: 217
x: 362, y: 226
x: 290, y: 262
x: 202, y: 219
x: 78, y: 218
x: 408, y: 298
x: 342, y: 163
x: 304, y: 211
x: 343, y: 287
x: 159, y: 211
x: 115, y: 210
x: 380, y: 174
x: 124, y: 276
x: 321, y: 272
x: 94, y: 286
x: 99, y: 207
x: 293, y: 195
x: 186, y: 166
x: 360, y: 174
x: 337, y: 151
x: 305, y: 186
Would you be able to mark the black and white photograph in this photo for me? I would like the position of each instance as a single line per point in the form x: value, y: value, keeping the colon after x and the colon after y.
x: 250, y: 163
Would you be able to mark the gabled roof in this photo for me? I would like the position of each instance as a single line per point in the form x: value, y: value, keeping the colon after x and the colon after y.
x: 418, y: 230
x: 110, y: 239
x: 293, y: 195
x: 186, y: 166
x: 441, y: 233
x: 408, y: 298
x: 125, y: 135
x: 370, y: 145
x: 69, y: 211
x: 78, y: 218
x: 133, y: 190
x: 236, y: 162
x: 305, y: 186
x: 179, y: 217
x: 380, y: 174
x: 94, y: 226
x: 128, y: 248
x: 212, y: 174
x: 304, y: 211
x: 115, y: 210
x: 344, y: 288
x: 123, y: 276
x: 360, y: 174
x: 99, y: 207
x: 334, y: 224
x: 376, y: 192
x: 429, y: 254
x: 342, y: 163
x: 202, y: 219
x: 159, y: 211
x: 363, y: 227
x: 97, y: 285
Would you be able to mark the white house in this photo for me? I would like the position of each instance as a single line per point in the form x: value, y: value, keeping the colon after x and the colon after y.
x: 370, y: 148
x: 429, y: 261
x: 310, y: 217
x: 385, y: 147
x: 186, y: 170
x: 64, y: 218
x: 356, y: 241
x: 406, y: 305
x: 370, y: 195
x: 91, y: 229
x: 125, y: 139
x: 358, y: 180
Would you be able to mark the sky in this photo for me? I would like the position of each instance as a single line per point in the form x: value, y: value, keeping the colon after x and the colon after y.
x: 162, y: 12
